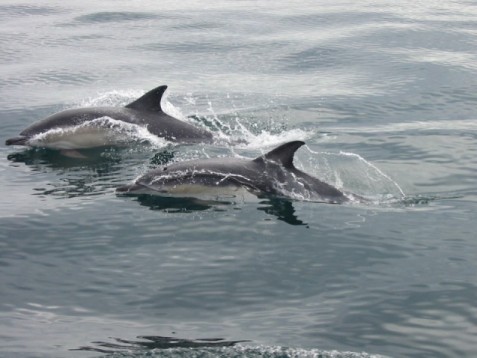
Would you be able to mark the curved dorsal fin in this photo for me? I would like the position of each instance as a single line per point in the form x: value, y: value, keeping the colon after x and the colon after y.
x: 282, y: 154
x: 151, y: 101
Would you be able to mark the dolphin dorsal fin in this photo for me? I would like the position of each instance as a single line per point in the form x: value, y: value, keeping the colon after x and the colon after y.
x: 151, y: 101
x: 282, y: 154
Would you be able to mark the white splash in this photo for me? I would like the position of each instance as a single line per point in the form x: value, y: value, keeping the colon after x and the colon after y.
x: 351, y: 172
x: 111, y: 99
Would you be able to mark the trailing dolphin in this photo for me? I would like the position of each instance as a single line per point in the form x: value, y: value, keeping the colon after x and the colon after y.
x: 269, y: 174
x: 91, y: 127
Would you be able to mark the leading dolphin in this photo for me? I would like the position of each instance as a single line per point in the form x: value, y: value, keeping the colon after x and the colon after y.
x: 82, y: 128
x: 270, y: 174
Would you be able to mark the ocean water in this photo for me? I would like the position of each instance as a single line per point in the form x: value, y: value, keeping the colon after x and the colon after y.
x: 383, y: 93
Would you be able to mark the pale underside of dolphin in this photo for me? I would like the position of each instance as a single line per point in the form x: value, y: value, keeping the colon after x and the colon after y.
x: 270, y: 174
x: 82, y: 128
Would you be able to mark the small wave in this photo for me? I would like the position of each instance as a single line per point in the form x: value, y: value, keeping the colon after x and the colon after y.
x: 453, y: 59
x: 285, y: 352
x: 12, y: 11
x: 448, y: 125
x: 114, y: 16
x: 423, y: 200
x: 159, y: 346
x: 239, y: 352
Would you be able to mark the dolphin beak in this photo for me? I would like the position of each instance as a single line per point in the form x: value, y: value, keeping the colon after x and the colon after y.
x: 21, y: 140
x: 128, y: 188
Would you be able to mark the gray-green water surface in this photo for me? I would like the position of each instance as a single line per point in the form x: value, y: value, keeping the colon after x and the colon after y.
x: 384, y: 94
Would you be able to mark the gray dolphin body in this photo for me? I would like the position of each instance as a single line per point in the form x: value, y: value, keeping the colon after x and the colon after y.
x: 145, y: 112
x: 270, y: 174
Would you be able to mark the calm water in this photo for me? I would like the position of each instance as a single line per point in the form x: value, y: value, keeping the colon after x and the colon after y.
x: 384, y: 93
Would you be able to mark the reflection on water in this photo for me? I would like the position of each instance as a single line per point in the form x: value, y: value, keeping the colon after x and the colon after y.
x: 96, y: 171
x: 178, y: 205
x: 91, y: 174
x: 102, y: 157
x: 43, y: 157
x: 162, y: 158
x: 155, y: 342
x: 281, y: 208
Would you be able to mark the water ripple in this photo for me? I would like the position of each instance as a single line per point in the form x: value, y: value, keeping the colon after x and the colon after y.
x: 117, y: 16
x: 9, y: 11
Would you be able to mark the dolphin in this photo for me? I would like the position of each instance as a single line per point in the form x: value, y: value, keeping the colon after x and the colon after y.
x: 270, y: 174
x: 86, y: 128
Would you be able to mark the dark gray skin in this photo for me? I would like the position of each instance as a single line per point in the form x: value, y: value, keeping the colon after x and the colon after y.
x: 145, y: 111
x: 270, y: 174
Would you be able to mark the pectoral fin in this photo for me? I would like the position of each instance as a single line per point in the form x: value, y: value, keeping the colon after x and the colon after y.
x: 71, y: 153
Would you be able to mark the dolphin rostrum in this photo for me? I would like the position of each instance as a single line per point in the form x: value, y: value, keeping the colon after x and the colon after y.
x: 85, y: 127
x: 270, y: 174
